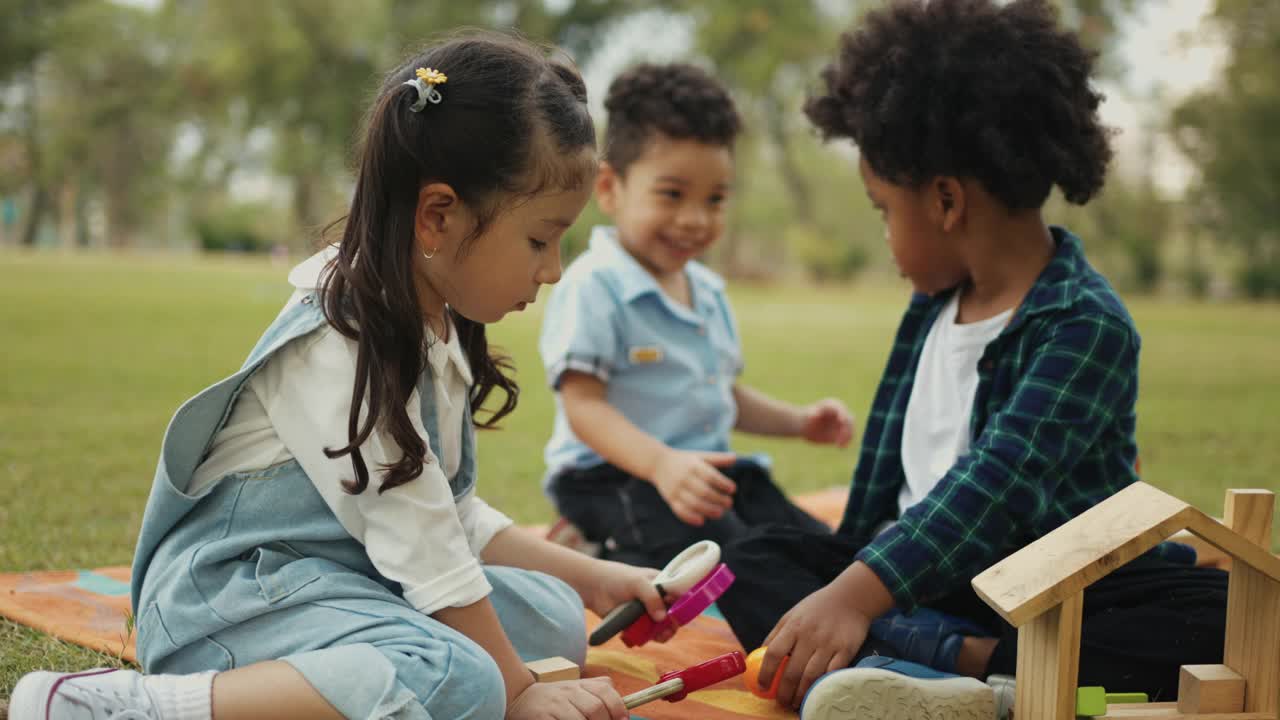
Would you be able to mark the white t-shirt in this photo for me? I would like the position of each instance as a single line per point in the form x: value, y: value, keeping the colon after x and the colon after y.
x: 935, y: 432
x: 297, y: 404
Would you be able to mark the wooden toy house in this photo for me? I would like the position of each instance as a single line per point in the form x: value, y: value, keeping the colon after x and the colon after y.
x: 1039, y: 590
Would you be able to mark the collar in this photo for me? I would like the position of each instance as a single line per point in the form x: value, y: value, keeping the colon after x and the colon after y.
x: 1058, y: 285
x: 440, y: 355
x: 635, y: 281
x: 306, y: 276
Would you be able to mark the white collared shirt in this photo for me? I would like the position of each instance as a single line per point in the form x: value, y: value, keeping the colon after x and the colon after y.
x: 297, y: 404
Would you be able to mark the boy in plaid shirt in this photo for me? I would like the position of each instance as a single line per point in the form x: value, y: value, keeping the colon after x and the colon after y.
x: 1007, y: 406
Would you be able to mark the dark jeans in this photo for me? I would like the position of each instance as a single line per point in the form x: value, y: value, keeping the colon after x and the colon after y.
x: 637, y: 526
x: 1141, y: 622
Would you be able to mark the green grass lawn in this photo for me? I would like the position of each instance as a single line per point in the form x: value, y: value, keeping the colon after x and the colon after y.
x: 96, y: 352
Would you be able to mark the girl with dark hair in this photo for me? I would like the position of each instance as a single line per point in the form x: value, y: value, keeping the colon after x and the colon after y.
x: 313, y: 545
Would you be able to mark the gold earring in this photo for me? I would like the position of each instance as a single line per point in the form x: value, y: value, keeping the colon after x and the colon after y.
x: 433, y: 253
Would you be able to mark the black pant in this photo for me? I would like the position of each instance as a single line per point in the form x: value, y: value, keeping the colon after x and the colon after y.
x: 637, y: 526
x: 1141, y: 622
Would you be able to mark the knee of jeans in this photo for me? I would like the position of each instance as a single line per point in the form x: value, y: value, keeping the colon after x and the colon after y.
x: 469, y: 686
x: 566, y: 634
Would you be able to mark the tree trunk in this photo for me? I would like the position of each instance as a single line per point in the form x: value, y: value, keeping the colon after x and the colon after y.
x: 306, y: 223
x: 730, y: 245
x: 39, y: 193
x: 68, y: 200
x: 35, y: 212
x: 796, y: 183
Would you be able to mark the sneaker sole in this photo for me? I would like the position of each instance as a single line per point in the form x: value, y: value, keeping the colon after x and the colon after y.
x: 870, y: 694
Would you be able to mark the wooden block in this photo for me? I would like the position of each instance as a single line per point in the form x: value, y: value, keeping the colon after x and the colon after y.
x: 1252, y: 648
x: 1253, y: 636
x: 553, y: 669
x: 1249, y: 513
x: 1091, y: 701
x: 1127, y: 698
x: 1169, y: 711
x: 1209, y: 689
x: 1048, y: 662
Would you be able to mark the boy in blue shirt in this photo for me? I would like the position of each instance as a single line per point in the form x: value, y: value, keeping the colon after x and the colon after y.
x: 1008, y: 403
x: 641, y: 345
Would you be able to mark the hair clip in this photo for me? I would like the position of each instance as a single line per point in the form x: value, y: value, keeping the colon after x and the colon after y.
x: 425, y: 83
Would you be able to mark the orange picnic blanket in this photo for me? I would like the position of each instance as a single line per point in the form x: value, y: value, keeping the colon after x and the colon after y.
x: 91, y: 607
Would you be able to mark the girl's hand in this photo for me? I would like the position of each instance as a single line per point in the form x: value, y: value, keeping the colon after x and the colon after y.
x: 828, y: 422
x: 620, y: 583
x: 588, y: 699
x: 692, y: 486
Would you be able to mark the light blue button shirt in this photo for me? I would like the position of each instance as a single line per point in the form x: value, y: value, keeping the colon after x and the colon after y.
x: 670, y: 369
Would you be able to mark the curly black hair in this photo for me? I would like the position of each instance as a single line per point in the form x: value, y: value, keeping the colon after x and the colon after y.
x: 678, y: 100
x: 969, y: 88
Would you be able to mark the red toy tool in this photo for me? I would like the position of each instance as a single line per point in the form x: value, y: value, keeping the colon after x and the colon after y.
x: 679, y: 576
x: 687, y: 607
x: 674, y: 686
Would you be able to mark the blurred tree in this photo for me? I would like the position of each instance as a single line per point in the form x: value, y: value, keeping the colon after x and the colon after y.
x: 1224, y: 129
x: 295, y: 75
x: 111, y: 117
x: 275, y: 88
x: 91, y: 109
x: 28, y: 28
x: 768, y: 53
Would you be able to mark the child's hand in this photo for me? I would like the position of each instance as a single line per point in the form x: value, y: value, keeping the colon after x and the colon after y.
x: 828, y: 422
x: 590, y: 699
x: 621, y: 583
x: 692, y: 486
x: 821, y: 633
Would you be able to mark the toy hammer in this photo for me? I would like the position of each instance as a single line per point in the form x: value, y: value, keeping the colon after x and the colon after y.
x: 676, y: 685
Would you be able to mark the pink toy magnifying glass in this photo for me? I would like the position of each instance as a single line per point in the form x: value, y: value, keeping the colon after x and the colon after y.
x: 686, y: 570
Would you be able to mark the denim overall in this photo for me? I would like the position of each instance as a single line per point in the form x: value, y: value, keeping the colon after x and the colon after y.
x: 257, y: 567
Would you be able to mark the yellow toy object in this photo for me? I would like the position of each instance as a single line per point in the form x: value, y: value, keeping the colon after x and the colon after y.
x: 752, y: 676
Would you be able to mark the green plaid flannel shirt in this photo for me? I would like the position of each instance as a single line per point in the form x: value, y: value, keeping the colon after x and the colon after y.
x: 1052, y: 434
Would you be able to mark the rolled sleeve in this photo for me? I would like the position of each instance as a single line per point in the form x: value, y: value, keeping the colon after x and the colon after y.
x: 480, y: 522
x: 579, y: 332
x: 1082, y: 375
x: 412, y: 533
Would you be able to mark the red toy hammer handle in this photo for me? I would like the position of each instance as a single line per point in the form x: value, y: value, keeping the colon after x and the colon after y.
x: 706, y: 674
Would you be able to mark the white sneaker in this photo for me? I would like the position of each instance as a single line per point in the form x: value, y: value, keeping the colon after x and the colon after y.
x: 887, y: 689
x: 1005, y: 688
x: 89, y: 695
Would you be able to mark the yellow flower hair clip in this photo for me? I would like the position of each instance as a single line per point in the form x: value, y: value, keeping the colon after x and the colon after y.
x: 431, y: 76
x: 425, y: 81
